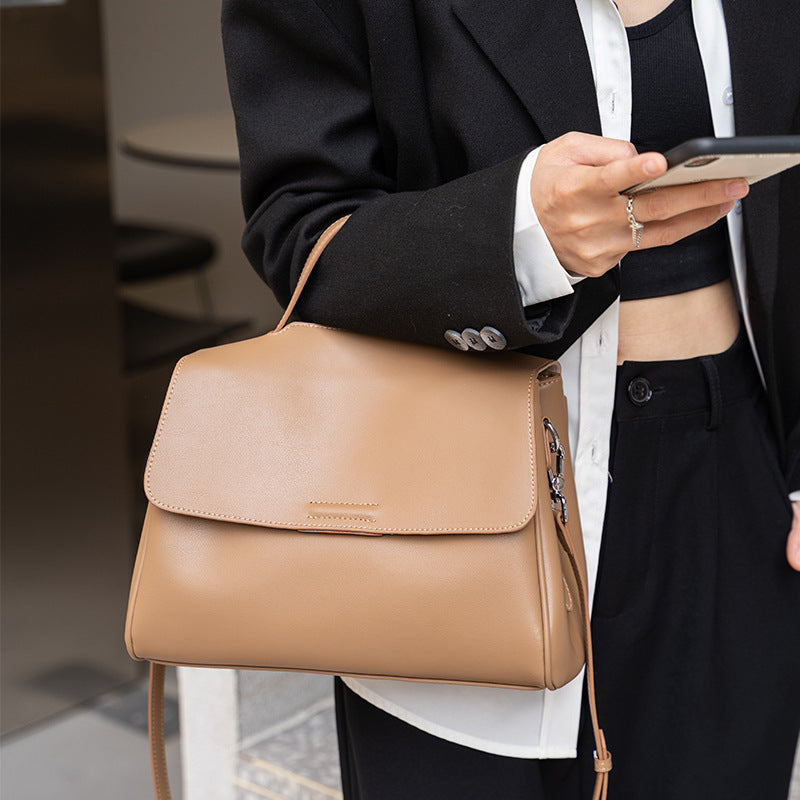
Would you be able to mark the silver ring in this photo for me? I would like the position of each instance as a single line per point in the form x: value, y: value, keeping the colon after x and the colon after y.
x: 636, y: 227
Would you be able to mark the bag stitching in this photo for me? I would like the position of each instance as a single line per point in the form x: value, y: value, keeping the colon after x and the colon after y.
x: 343, y: 503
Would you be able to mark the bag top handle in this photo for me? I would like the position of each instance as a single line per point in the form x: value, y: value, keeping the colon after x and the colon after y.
x: 312, y: 259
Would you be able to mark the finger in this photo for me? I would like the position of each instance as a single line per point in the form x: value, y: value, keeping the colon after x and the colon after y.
x: 793, y: 542
x: 671, y: 201
x: 619, y: 175
x: 590, y: 150
x: 663, y: 233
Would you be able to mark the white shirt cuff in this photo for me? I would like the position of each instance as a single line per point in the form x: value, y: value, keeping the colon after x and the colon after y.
x: 539, y: 274
x: 794, y: 496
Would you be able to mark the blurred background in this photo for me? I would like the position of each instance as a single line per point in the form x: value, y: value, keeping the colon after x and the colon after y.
x: 121, y: 223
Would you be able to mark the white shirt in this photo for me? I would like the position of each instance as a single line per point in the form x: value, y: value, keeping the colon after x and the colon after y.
x: 544, y: 724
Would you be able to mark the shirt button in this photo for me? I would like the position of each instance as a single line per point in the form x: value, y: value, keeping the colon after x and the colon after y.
x: 594, y: 452
x: 456, y: 340
x: 727, y: 95
x: 473, y: 339
x: 640, y: 391
x: 493, y: 338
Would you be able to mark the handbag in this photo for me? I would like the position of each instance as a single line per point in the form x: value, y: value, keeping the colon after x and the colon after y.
x: 325, y: 501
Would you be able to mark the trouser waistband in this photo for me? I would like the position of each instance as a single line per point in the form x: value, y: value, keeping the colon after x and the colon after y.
x: 647, y: 389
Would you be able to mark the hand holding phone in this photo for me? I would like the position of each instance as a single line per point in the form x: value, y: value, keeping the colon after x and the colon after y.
x: 576, y: 191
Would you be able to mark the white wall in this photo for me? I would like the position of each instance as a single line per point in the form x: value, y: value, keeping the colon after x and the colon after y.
x: 165, y: 58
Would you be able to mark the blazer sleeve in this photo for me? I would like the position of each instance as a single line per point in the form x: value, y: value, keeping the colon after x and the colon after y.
x: 408, y: 264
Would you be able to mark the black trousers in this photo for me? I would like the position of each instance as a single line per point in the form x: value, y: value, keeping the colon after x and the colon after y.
x: 695, y: 621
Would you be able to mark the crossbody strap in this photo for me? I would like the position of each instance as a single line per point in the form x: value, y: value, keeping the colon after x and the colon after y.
x: 555, y: 455
x: 155, y: 731
x: 602, y: 757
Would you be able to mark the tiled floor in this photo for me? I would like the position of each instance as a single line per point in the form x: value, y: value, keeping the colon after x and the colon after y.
x: 299, y: 762
x: 99, y: 751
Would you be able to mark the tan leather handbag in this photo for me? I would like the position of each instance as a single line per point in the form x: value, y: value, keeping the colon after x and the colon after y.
x: 325, y: 501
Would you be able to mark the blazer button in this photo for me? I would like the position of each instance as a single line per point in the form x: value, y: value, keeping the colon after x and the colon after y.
x: 640, y: 391
x: 493, y: 338
x: 456, y: 340
x: 473, y: 339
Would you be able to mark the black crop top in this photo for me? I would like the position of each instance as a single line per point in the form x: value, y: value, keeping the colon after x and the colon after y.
x: 670, y: 105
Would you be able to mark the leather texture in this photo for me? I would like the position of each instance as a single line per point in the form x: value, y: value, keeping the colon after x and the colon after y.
x: 324, y: 501
x: 254, y: 530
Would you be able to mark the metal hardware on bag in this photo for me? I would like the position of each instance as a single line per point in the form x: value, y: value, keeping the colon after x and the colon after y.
x: 556, y: 478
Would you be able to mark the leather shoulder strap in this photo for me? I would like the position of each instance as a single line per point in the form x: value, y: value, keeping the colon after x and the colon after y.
x: 155, y: 730
x: 602, y: 755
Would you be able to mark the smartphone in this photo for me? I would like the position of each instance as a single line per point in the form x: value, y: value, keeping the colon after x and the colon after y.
x: 750, y: 157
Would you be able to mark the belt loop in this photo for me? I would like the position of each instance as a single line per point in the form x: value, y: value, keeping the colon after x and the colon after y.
x: 714, y: 392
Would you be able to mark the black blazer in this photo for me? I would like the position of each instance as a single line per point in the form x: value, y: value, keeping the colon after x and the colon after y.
x: 414, y: 116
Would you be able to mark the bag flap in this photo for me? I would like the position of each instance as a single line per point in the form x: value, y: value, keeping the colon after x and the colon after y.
x: 321, y: 429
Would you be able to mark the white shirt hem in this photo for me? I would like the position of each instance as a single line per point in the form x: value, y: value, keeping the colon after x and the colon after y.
x: 457, y: 737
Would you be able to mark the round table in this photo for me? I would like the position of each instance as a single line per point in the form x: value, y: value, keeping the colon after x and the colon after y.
x: 205, y: 140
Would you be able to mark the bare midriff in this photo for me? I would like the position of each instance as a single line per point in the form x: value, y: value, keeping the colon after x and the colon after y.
x: 686, y: 325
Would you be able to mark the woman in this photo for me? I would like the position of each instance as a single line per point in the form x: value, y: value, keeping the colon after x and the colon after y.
x: 482, y: 149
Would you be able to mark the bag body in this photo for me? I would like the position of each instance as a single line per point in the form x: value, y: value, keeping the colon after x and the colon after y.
x: 380, y: 517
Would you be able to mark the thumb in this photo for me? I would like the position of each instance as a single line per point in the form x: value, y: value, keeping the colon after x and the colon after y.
x: 793, y: 542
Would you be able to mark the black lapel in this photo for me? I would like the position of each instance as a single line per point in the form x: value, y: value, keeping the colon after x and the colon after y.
x: 761, y: 37
x: 538, y: 47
